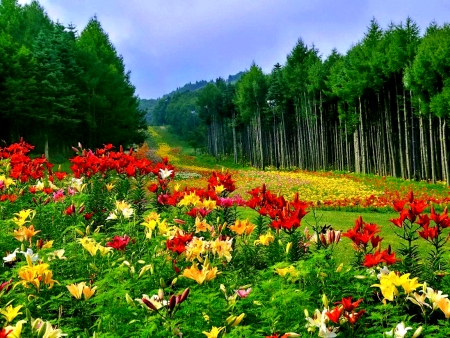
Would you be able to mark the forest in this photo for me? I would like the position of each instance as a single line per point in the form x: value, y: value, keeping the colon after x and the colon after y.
x: 381, y: 108
x: 59, y: 87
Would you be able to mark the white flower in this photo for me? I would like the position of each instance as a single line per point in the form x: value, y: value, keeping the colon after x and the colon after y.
x: 164, y: 173
x: 11, y: 257
x: 33, y: 256
x: 400, y: 331
x: 112, y: 216
x: 127, y: 212
x: 383, y: 272
x: 434, y: 296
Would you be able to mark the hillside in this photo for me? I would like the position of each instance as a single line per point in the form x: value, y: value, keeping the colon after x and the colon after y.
x: 149, y: 105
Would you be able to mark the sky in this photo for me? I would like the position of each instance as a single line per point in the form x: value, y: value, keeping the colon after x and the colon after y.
x: 168, y: 43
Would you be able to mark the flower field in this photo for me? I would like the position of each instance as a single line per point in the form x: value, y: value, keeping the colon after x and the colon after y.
x: 125, y: 247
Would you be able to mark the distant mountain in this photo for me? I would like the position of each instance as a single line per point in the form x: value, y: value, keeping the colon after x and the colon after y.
x: 149, y: 104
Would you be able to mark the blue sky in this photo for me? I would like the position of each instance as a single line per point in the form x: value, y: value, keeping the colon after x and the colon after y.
x: 168, y: 43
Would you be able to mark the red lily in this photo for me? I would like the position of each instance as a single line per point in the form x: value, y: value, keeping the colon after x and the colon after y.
x: 119, y: 243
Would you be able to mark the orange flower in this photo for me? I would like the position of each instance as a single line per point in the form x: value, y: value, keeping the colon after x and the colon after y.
x: 25, y: 233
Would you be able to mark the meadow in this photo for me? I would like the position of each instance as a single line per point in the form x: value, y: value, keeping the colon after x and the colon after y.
x: 122, y: 246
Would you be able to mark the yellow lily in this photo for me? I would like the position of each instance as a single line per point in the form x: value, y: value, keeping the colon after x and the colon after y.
x: 16, y: 330
x: 222, y: 248
x: 214, y: 333
x: 265, y: 239
x: 76, y: 290
x: 444, y: 305
x: 88, y: 292
x: 10, y: 312
x: 22, y: 215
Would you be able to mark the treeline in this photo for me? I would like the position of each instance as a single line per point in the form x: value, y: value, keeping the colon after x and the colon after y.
x: 381, y: 108
x: 58, y: 87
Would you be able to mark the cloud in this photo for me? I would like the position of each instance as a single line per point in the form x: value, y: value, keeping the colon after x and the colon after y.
x: 167, y: 43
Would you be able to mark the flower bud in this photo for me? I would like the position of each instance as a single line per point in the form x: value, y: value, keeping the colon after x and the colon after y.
x: 288, y: 247
x: 184, y: 295
x: 129, y: 299
x: 172, y: 302
x: 417, y: 332
x: 238, y: 320
x: 230, y: 319
x: 161, y: 294
x: 325, y: 300
x: 149, y: 304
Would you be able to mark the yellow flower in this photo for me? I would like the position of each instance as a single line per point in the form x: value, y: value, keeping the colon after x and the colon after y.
x: 89, y: 244
x: 109, y: 186
x: 76, y: 290
x: 209, y: 204
x: 290, y: 270
x: 201, y: 226
x: 190, y: 199
x: 7, y: 181
x: 195, y: 248
x: 104, y: 250
x: 163, y: 228
x: 48, y: 245
x: 214, y: 333
x: 16, y: 331
x: 265, y: 239
x: 200, y: 276
x: 29, y: 276
x: 444, y: 305
x: 194, y: 273
x: 219, y: 189
x: 410, y: 285
x: 88, y: 292
x: 387, y: 288
x: 48, y: 279
x: 10, y: 312
x: 222, y: 248
x: 22, y: 215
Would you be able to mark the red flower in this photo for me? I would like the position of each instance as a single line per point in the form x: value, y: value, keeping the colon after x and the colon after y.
x: 4, y: 333
x: 178, y: 242
x: 348, y: 305
x: 335, y: 314
x: 60, y: 175
x: 398, y: 205
x: 70, y: 210
x: 353, y: 317
x: 119, y: 243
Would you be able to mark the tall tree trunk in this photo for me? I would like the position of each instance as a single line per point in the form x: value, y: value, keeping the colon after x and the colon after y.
x: 400, y: 133
x: 362, y: 140
x: 405, y: 119
x: 432, y: 151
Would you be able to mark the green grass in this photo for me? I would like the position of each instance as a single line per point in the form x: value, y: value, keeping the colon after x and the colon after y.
x: 344, y: 220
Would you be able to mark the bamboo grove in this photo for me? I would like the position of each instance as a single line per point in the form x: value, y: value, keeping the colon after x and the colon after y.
x: 58, y: 87
x: 381, y: 108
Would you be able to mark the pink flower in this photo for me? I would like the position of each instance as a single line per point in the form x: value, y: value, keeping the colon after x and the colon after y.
x: 243, y: 293
x: 58, y: 195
